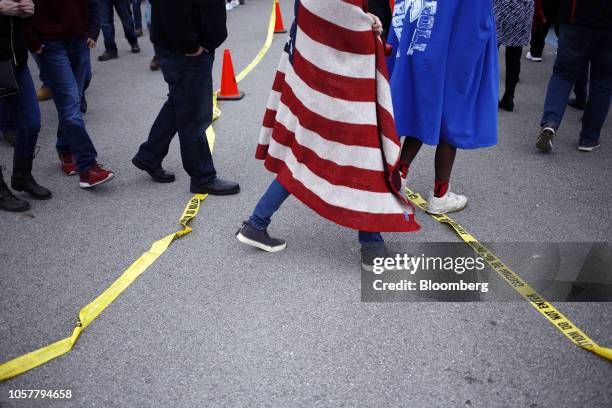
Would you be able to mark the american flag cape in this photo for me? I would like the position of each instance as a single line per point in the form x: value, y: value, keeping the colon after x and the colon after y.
x: 328, y: 132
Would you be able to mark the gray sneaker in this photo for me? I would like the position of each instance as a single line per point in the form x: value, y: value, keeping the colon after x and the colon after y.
x: 545, y: 139
x: 249, y: 235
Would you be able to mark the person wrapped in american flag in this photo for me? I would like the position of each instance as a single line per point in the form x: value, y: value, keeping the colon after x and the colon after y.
x: 329, y: 133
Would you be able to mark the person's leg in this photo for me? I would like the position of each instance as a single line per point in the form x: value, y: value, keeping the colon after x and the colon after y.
x: 127, y: 20
x: 153, y: 151
x: 410, y: 149
x: 538, y: 41
x: 137, y: 13
x: 8, y: 127
x: 58, y: 61
x: 513, y: 71
x: 580, y: 87
x: 442, y: 200
x: 191, y: 93
x: 268, y: 204
x: 600, y: 92
x: 27, y: 116
x: 107, y: 24
x: 572, y: 58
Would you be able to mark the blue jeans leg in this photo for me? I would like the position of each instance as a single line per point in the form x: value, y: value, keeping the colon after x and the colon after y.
x: 600, y: 89
x: 23, y: 109
x: 65, y: 65
x: 187, y: 111
x: 370, y: 239
x: 137, y: 14
x: 127, y: 19
x: 268, y: 204
x: 572, y: 59
x: 107, y: 24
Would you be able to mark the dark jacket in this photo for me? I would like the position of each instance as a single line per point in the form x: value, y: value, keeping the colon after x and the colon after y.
x: 589, y: 13
x: 185, y: 25
x: 382, y: 9
x: 12, y: 43
x: 63, y: 20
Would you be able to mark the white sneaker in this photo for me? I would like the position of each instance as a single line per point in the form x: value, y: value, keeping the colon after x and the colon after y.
x: 451, y: 202
x: 532, y: 58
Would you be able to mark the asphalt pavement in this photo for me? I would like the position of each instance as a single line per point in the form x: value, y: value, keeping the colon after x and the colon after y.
x: 216, y: 324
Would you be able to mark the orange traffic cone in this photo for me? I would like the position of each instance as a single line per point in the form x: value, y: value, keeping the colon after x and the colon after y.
x: 229, y: 86
x: 279, y: 27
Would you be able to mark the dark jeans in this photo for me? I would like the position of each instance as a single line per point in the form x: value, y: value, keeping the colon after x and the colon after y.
x: 577, y: 46
x: 137, y: 13
x: 187, y: 111
x: 22, y: 110
x: 540, y: 31
x: 65, y: 65
x: 274, y: 197
x: 107, y: 18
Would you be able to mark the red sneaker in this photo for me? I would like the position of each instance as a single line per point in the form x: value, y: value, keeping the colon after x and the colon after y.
x: 94, y: 176
x: 67, y: 163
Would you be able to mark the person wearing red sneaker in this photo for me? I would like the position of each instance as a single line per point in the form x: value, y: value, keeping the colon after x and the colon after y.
x: 61, y: 34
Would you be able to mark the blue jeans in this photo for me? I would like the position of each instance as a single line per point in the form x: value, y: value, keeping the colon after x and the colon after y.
x: 107, y: 17
x: 22, y: 110
x: 137, y: 14
x: 187, y: 111
x: 577, y: 46
x: 274, y: 197
x: 65, y: 65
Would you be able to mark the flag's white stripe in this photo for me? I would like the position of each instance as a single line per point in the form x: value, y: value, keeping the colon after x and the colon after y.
x: 358, y: 113
x: 383, y: 93
x: 339, y: 196
x: 340, y: 13
x: 367, y: 158
x: 332, y: 60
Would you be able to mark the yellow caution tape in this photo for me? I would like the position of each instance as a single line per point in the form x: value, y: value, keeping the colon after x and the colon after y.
x: 88, y: 314
x: 92, y: 310
x: 554, y: 316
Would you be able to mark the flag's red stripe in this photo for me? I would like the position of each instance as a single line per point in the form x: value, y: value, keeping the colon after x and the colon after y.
x: 334, y: 85
x: 334, y: 36
x: 348, y: 176
x: 357, y: 220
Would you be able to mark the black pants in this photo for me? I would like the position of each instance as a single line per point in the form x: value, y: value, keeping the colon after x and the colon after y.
x: 513, y: 69
x: 538, y: 37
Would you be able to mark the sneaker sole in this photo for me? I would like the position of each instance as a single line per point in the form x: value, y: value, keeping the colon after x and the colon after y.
x: 442, y: 212
x: 219, y: 193
x: 259, y: 245
x: 87, y: 185
x: 588, y: 149
x: 544, y: 143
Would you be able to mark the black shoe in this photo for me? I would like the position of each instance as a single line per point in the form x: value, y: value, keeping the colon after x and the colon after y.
x: 10, y: 137
x: 139, y: 32
x: 159, y: 175
x: 369, y: 252
x: 22, y: 179
x: 154, y: 65
x: 576, y: 103
x: 545, y: 139
x: 506, y: 103
x: 259, y: 238
x: 135, y: 48
x: 83, y: 104
x: 108, y: 55
x: 8, y: 202
x: 216, y: 187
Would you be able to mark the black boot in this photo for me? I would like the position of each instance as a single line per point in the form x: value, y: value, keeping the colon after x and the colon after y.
x: 8, y: 202
x: 507, y: 102
x: 22, y: 179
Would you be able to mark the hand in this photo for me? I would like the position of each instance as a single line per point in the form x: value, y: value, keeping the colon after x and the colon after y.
x: 377, y: 25
x: 27, y: 8
x: 40, y: 50
x: 10, y: 8
x: 200, y: 51
x: 91, y: 43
